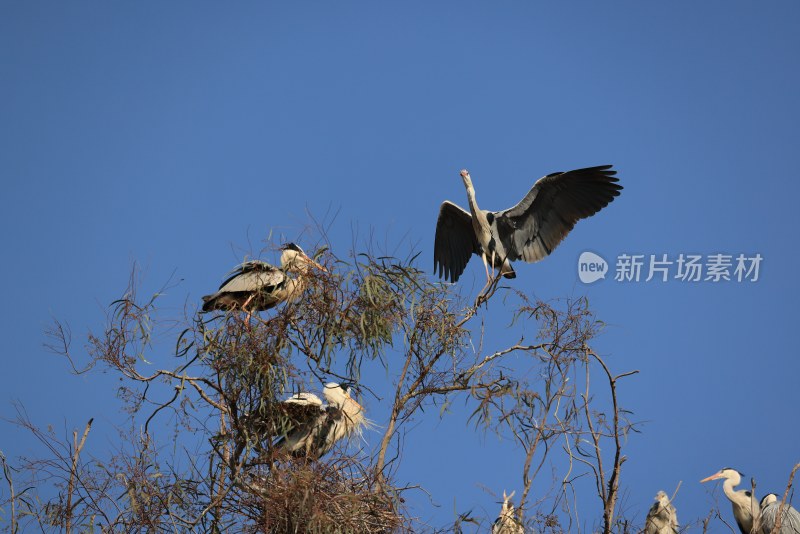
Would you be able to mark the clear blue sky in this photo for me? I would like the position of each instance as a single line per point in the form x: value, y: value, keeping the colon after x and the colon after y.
x: 181, y: 134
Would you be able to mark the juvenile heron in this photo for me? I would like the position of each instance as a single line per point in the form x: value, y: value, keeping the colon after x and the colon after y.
x: 257, y: 286
x: 507, y: 522
x: 662, y: 518
x: 529, y: 231
x: 745, y: 505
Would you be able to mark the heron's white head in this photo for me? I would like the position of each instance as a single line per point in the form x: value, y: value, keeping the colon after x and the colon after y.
x: 769, y: 498
x: 338, y: 395
x: 293, y: 259
x: 727, y: 473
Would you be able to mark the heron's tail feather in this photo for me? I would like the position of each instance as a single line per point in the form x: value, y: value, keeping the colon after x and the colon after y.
x: 209, y: 302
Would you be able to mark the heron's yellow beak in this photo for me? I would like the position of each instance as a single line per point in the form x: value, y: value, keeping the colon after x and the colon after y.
x: 351, y: 399
x: 715, y: 476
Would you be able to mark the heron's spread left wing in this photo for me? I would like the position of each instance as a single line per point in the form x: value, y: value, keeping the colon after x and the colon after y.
x: 455, y: 241
x: 534, y: 227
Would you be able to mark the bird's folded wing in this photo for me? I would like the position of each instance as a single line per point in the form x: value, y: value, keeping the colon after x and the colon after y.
x: 295, y: 413
x: 259, y: 279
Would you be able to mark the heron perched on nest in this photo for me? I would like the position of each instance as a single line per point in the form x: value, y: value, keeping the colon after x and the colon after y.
x: 313, y: 428
x: 257, y: 285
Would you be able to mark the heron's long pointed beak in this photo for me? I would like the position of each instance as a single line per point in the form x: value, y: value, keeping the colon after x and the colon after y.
x: 715, y: 476
x: 315, y: 264
x: 351, y: 399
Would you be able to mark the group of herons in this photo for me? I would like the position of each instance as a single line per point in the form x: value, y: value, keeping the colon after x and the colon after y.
x: 529, y: 231
x: 751, y: 516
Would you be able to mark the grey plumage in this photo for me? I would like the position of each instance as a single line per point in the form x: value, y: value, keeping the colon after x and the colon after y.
x: 662, y: 517
x: 790, y: 518
x: 529, y: 231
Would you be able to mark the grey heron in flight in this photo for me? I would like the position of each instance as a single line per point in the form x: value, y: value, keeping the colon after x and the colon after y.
x: 790, y: 518
x: 257, y: 286
x: 507, y: 522
x: 312, y: 428
x: 529, y: 231
x: 662, y: 518
x: 744, y: 503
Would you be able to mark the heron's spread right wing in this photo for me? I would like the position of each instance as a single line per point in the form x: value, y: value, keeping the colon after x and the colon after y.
x: 455, y: 241
x: 534, y: 227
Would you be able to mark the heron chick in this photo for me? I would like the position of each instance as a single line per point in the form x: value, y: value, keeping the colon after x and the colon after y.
x: 662, y: 517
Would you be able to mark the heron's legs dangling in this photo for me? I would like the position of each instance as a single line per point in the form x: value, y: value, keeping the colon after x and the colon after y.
x: 244, y: 308
x: 486, y: 266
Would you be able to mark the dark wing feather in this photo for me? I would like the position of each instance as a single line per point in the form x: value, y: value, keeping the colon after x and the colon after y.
x: 534, y: 227
x: 323, y: 441
x: 250, y: 277
x: 295, y: 417
x: 455, y: 241
x: 253, y: 270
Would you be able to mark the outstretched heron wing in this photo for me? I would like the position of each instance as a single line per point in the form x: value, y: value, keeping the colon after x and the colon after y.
x: 455, y: 241
x: 533, y: 228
